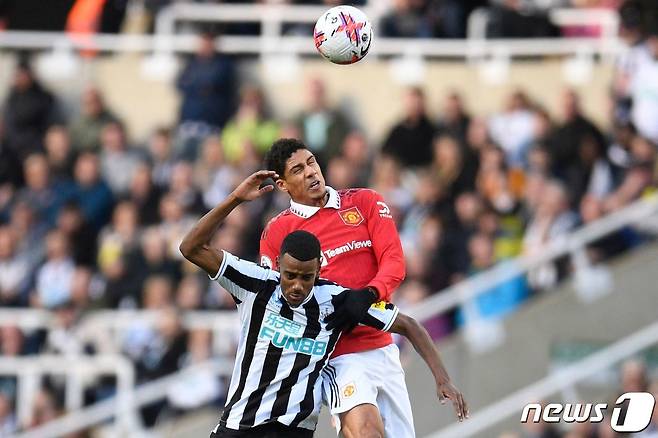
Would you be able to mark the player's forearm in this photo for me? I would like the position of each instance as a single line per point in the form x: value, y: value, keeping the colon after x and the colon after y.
x: 201, y: 234
x: 423, y: 344
x: 390, y: 275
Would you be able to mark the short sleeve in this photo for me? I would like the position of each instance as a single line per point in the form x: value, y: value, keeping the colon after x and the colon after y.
x: 381, y: 316
x: 244, y: 279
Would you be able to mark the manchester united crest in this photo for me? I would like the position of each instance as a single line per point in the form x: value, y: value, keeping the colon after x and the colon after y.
x: 352, y: 216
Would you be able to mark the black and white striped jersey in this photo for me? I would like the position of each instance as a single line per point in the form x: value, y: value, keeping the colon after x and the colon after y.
x: 282, y: 350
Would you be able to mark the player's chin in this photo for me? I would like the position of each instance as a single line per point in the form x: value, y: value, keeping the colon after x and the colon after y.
x: 317, y: 191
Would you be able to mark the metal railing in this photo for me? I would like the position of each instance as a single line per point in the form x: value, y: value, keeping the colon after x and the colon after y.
x: 641, y: 213
x: 223, y: 324
x: 76, y: 369
x: 107, y: 409
x: 272, y: 40
x: 553, y: 383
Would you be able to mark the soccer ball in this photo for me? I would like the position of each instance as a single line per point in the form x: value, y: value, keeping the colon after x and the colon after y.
x: 343, y: 35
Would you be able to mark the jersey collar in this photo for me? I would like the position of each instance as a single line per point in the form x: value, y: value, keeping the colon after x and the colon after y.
x: 306, y: 211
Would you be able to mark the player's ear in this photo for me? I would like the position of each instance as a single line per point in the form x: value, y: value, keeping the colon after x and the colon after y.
x: 276, y: 263
x: 281, y: 184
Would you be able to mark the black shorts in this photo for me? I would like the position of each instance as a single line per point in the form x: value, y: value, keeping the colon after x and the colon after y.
x: 269, y: 430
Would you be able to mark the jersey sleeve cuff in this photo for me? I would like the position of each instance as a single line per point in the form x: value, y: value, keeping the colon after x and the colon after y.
x: 380, y: 288
x: 395, y: 316
x: 222, y: 266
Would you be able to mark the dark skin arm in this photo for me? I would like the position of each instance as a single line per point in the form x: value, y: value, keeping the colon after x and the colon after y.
x: 423, y: 344
x: 196, y: 244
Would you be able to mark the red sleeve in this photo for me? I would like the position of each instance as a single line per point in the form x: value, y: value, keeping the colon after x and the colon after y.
x: 386, y: 244
x: 269, y: 248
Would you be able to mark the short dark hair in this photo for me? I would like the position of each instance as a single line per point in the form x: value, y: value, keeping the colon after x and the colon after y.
x: 279, y: 153
x: 302, y: 245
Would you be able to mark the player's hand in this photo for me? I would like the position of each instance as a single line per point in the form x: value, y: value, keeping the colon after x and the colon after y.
x: 448, y: 391
x: 350, y: 307
x: 252, y: 187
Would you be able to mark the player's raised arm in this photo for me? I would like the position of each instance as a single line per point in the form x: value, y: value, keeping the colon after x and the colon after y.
x: 196, y: 244
x: 423, y: 344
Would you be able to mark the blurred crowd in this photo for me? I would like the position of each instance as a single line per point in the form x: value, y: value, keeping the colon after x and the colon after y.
x: 395, y: 18
x: 633, y: 377
x: 92, y: 219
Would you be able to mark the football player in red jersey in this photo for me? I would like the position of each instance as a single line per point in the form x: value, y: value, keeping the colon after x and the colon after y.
x: 361, y: 250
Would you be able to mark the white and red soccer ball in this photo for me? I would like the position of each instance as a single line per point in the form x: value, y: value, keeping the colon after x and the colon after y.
x: 343, y: 35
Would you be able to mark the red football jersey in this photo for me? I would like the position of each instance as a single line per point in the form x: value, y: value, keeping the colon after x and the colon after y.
x: 360, y: 247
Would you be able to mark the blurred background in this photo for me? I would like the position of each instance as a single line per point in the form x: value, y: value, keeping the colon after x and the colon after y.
x: 514, y: 140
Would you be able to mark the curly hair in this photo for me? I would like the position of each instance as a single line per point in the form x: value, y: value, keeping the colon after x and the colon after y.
x: 279, y: 153
x: 301, y: 245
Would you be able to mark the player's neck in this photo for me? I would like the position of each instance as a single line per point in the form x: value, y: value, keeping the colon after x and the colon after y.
x: 319, y: 202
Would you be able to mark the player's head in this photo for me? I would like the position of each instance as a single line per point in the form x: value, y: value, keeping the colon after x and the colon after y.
x: 299, y: 172
x: 299, y: 265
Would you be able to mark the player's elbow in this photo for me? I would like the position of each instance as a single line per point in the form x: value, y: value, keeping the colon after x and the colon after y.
x: 187, y: 249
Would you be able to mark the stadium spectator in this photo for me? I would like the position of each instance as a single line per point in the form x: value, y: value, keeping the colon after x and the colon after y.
x: 410, y: 140
x: 386, y: 179
x: 45, y: 408
x: 91, y: 192
x: 500, y: 299
x: 59, y: 153
x: 513, y: 128
x: 632, y: 31
x: 477, y: 135
x: 455, y: 174
x: 551, y: 220
x: 323, y: 128
x: 356, y: 150
x: 27, y: 112
x: 634, y: 376
x: 183, y: 189
x: 81, y: 236
x: 86, y: 128
x: 118, y: 161
x: 565, y: 142
x: 251, y: 131
x: 591, y: 209
x: 519, y: 19
x: 636, y: 178
x: 454, y: 119
x: 54, y: 277
x: 341, y: 174
x: 643, y: 89
x: 14, y: 271
x: 174, y: 223
x: 151, y: 258
x: 10, y: 173
x: 145, y: 195
x: 29, y: 233
x: 161, y: 156
x: 115, y: 241
x: 207, y: 86
x: 41, y: 193
x: 189, y: 295
x: 8, y: 421
x: 213, y: 174
x: 199, y: 386
x: 408, y: 19
x: 494, y: 182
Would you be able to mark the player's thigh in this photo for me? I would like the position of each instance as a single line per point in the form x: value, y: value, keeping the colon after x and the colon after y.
x: 393, y: 396
x: 362, y: 421
x: 348, y: 386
